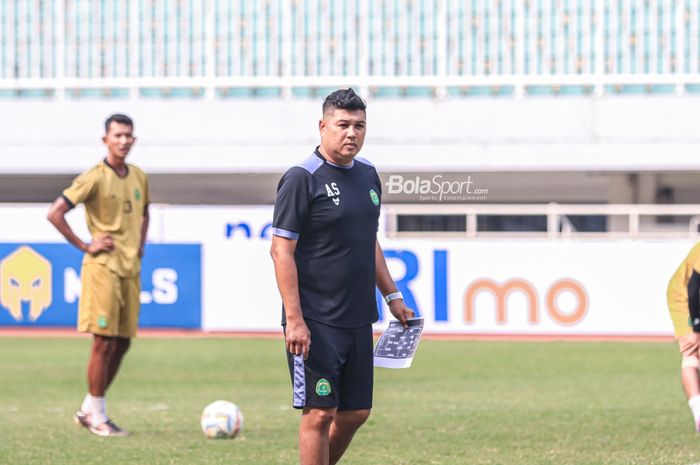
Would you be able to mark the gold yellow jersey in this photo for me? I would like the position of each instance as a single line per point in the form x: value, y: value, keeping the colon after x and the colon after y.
x: 677, y: 292
x: 114, y: 205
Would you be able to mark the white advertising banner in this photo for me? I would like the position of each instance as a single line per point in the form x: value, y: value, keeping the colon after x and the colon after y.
x: 512, y: 287
x: 538, y: 287
x: 460, y: 287
x: 28, y: 223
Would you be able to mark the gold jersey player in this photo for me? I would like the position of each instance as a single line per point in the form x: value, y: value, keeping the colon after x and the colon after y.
x: 115, y: 195
x: 684, y: 306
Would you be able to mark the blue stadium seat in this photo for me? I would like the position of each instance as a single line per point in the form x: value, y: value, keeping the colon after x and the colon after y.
x: 303, y: 92
x: 34, y: 93
x: 99, y: 93
x: 564, y: 91
x: 166, y: 93
x: 248, y: 92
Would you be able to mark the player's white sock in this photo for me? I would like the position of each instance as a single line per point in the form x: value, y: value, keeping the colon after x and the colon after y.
x: 98, y: 410
x: 694, y: 404
x: 87, y: 404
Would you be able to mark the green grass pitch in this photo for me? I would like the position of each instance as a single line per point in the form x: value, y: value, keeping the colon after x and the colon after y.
x: 462, y: 402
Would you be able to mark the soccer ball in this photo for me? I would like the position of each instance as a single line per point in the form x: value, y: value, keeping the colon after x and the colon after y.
x: 222, y: 420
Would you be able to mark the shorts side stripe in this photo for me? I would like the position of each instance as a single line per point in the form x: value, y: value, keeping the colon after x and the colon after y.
x: 299, y: 382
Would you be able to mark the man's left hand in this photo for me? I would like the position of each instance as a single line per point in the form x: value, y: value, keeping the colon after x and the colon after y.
x: 400, y: 311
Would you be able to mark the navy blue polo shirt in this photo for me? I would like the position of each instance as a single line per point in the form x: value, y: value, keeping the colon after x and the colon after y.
x: 333, y: 213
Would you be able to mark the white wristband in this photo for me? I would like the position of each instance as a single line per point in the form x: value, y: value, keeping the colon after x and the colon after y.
x: 393, y: 296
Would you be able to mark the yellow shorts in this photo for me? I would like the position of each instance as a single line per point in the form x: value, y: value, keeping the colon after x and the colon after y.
x: 109, y: 305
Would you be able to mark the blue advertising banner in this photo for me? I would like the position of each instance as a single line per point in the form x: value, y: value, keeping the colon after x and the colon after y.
x: 40, y: 285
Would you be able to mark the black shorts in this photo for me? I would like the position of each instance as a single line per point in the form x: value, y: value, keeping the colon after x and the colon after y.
x: 339, y: 371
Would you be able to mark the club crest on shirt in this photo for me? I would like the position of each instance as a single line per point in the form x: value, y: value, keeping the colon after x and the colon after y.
x: 333, y: 192
x: 373, y: 195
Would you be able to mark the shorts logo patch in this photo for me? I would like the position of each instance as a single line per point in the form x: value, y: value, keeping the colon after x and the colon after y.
x: 323, y: 387
x: 102, y: 322
x: 374, y: 196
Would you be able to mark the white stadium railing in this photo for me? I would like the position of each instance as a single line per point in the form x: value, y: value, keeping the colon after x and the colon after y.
x: 287, y: 48
x: 625, y: 221
x: 635, y: 222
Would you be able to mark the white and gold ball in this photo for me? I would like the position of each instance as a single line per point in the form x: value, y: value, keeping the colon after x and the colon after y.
x: 222, y: 420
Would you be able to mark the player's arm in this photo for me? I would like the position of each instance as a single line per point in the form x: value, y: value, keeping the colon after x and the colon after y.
x: 57, y: 217
x: 144, y: 231
x: 694, y: 301
x: 387, y: 286
x: 297, y: 336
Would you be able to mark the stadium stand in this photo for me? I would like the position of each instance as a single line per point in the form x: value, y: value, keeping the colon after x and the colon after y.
x: 387, y: 48
x: 566, y: 101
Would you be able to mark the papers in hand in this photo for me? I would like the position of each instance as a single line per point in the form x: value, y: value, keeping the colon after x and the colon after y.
x: 397, y: 345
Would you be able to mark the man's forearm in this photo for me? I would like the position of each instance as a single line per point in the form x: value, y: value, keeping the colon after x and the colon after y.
x: 288, y: 284
x: 144, y: 228
x: 62, y: 226
x: 385, y: 282
x: 694, y: 300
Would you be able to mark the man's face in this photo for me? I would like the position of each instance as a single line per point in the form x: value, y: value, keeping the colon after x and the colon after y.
x: 119, y: 139
x: 343, y: 133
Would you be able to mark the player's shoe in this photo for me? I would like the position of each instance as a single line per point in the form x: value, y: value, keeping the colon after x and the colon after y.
x: 108, y: 428
x: 80, y: 418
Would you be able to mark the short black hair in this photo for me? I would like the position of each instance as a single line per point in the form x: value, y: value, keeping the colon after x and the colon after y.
x: 118, y: 118
x: 344, y: 99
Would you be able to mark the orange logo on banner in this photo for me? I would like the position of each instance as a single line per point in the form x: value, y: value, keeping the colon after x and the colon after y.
x: 502, y: 291
x: 25, y: 276
x: 581, y: 298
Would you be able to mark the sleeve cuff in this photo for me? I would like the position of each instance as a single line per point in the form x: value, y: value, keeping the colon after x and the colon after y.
x: 70, y: 204
x: 286, y: 234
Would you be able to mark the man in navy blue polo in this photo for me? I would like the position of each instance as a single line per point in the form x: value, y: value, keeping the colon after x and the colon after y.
x: 327, y: 263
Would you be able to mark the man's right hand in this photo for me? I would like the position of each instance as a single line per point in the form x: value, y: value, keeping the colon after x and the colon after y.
x: 298, y: 338
x: 691, y: 342
x: 100, y: 244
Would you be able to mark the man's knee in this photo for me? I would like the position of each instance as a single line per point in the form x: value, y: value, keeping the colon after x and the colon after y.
x: 354, y: 418
x: 103, y: 345
x: 690, y: 361
x: 319, y: 418
x: 123, y: 344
